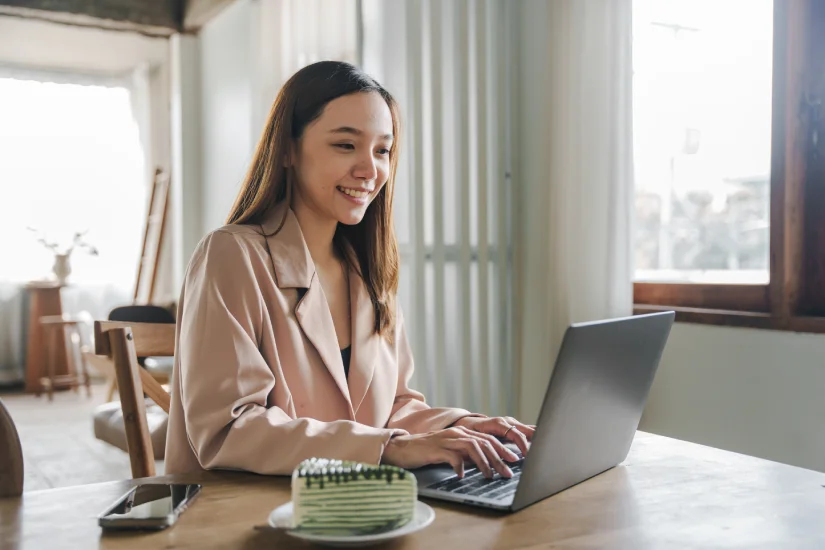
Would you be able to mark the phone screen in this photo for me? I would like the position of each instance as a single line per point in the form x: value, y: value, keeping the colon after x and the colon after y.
x: 152, y: 501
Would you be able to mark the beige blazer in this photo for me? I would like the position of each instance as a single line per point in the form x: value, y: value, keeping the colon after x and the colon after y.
x: 259, y: 382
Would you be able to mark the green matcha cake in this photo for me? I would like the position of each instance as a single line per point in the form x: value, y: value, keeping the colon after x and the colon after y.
x: 339, y: 497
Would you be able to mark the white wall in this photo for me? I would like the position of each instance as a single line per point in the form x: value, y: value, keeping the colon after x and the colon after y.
x: 757, y: 392
x: 187, y: 144
x: 227, y: 81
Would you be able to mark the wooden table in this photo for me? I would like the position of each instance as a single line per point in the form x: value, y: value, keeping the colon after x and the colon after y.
x: 44, y: 300
x: 668, y: 494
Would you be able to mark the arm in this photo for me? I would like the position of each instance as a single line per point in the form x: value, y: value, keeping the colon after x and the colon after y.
x: 225, y: 381
x: 410, y: 412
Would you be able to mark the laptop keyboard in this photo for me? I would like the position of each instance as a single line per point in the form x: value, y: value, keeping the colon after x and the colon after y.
x: 475, y: 484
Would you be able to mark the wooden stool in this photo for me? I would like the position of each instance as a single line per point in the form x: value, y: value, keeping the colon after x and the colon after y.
x: 59, y: 330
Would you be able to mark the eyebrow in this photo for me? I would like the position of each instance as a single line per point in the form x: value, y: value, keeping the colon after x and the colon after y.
x: 356, y: 132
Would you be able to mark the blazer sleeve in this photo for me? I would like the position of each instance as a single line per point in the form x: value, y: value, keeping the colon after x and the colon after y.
x: 410, y: 411
x: 225, y: 381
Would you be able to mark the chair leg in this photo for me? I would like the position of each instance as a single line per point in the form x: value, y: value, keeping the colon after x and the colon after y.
x: 51, y: 362
x: 112, y: 389
x: 83, y: 365
x: 68, y: 340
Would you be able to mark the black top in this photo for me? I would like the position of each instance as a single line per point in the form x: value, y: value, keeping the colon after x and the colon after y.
x: 345, y: 353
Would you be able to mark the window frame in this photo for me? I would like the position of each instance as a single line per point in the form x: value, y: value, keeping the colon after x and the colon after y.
x: 794, y: 299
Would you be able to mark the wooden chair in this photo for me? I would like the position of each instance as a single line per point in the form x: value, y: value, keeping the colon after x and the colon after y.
x: 147, y: 313
x: 122, y: 343
x: 59, y: 330
x: 11, y: 456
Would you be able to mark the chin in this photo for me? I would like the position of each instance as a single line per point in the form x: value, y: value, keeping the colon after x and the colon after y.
x: 352, y: 218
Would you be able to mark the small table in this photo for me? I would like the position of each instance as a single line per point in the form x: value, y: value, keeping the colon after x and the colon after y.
x: 668, y: 494
x: 44, y: 300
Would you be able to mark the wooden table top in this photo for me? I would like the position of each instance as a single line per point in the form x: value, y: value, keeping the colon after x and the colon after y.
x: 667, y: 494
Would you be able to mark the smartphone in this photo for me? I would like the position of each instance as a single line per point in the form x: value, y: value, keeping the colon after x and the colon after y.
x: 149, y: 506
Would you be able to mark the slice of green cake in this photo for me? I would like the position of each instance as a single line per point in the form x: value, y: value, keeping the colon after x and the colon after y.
x: 338, y: 497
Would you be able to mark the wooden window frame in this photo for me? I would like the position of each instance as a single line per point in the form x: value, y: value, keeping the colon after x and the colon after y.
x: 795, y: 297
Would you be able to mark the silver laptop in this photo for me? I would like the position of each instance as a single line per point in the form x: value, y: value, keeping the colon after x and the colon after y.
x: 590, y: 414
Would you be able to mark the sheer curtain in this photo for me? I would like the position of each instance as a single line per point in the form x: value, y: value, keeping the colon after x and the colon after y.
x: 72, y: 163
x: 574, y: 165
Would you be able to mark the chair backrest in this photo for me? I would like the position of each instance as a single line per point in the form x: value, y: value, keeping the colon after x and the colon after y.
x: 142, y: 314
x: 145, y: 313
x: 11, y: 456
x: 123, y: 342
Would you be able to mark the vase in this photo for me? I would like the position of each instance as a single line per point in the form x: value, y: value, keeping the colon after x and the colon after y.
x: 61, y: 268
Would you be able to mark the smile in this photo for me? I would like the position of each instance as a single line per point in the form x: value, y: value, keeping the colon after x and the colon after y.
x: 357, y: 194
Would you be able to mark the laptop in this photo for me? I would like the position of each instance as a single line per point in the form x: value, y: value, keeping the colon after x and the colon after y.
x: 590, y: 414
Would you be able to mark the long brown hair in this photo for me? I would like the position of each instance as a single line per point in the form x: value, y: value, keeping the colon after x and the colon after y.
x: 372, y: 242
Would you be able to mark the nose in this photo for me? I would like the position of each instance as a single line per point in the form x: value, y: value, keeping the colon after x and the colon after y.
x: 365, y: 168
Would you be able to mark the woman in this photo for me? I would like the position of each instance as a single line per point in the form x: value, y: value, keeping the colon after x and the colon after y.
x: 290, y: 344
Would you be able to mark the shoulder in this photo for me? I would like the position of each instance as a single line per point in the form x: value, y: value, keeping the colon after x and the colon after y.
x: 231, y: 238
x: 228, y: 246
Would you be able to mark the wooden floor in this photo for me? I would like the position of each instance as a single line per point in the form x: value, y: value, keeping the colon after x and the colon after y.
x: 59, y: 446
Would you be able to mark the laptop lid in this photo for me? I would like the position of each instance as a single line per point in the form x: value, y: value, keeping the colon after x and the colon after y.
x: 594, y: 402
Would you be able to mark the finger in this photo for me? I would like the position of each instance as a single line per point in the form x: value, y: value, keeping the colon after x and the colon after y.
x: 528, y: 431
x: 519, y: 439
x: 501, y: 450
x: 471, y: 447
x: 455, y: 460
x: 494, y: 459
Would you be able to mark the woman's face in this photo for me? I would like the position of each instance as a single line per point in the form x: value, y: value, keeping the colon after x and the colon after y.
x: 342, y: 160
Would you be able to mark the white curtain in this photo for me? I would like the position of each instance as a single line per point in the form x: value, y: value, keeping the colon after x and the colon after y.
x: 574, y: 168
x: 447, y: 62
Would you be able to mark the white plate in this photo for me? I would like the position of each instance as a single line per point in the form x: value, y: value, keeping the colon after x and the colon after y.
x: 281, y: 517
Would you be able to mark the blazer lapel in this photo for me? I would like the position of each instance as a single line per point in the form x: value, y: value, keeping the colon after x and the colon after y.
x: 315, y: 319
x: 365, y: 342
x: 294, y: 268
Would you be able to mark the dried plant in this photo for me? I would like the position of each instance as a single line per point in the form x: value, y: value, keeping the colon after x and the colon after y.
x: 77, y: 242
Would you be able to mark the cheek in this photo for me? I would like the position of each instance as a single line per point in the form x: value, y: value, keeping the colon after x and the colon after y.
x: 383, y: 174
x: 321, y: 172
x: 380, y: 183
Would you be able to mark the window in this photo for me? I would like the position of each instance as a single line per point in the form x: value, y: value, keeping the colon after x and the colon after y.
x: 72, y: 162
x: 730, y: 197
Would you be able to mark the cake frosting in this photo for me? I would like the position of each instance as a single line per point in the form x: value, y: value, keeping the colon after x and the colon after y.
x: 339, y: 497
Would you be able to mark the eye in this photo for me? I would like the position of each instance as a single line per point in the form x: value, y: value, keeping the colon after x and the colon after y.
x: 383, y: 151
x: 345, y: 146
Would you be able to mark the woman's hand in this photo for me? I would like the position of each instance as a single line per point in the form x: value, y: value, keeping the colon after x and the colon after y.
x: 453, y: 446
x: 505, y: 427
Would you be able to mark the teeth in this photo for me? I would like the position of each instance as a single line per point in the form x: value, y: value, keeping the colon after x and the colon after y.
x: 354, y: 193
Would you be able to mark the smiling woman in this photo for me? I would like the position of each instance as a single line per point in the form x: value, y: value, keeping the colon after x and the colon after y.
x: 290, y: 342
